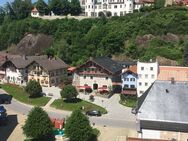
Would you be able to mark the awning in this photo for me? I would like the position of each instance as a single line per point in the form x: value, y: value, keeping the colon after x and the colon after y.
x: 83, y: 87
x: 129, y: 92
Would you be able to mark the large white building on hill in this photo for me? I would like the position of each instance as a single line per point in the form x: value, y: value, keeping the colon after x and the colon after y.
x: 96, y: 8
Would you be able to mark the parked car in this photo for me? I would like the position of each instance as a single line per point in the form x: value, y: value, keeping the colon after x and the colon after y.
x: 93, y: 113
x: 3, y: 116
x: 5, y: 99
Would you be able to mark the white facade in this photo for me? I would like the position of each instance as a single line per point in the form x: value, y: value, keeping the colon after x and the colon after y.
x: 15, y: 76
x: 34, y: 12
x: 90, y: 80
x: 93, y: 8
x: 147, y: 74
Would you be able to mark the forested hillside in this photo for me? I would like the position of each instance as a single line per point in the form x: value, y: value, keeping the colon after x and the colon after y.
x: 162, y: 32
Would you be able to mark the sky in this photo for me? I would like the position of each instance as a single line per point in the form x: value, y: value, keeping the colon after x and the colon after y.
x: 2, y: 2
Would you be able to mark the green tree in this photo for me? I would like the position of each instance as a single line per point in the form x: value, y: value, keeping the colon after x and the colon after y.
x: 186, y: 55
x: 65, y: 7
x: 2, y: 15
x: 77, y: 127
x: 42, y: 7
x: 56, y: 6
x: 69, y: 92
x: 75, y: 7
x: 21, y: 9
x: 33, y: 88
x: 159, y: 4
x: 38, y: 125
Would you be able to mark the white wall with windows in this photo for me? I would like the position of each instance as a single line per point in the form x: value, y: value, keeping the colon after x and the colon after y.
x: 147, y: 74
x: 93, y: 8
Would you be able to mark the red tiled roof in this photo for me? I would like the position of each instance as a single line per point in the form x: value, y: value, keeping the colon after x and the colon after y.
x: 168, y: 72
x: 133, y: 69
x: 34, y: 9
x: 71, y: 69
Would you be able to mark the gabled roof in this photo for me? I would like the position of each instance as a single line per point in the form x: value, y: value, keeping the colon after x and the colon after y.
x: 108, y: 64
x: 44, y: 61
x: 165, y: 103
x: 168, y: 72
x: 52, y: 64
x: 34, y: 9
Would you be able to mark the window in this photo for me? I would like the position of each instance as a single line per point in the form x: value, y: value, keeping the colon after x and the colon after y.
x: 141, y: 92
x: 109, y: 6
x: 88, y: 6
x: 146, y: 76
x: 92, y: 6
x: 132, y: 86
x: 146, y: 84
x: 125, y: 6
x: 142, y: 68
x: 140, y: 83
x: 84, y: 77
x: 115, y: 6
x: 95, y: 7
x: 132, y: 79
x: 126, y: 86
x: 99, y: 8
x: 121, y: 13
x: 152, y: 76
x: 140, y: 75
x: 126, y: 79
x: 106, y: 78
x: 91, y: 77
x: 151, y: 68
x: 115, y: 14
x: 130, y: 4
x: 120, y: 6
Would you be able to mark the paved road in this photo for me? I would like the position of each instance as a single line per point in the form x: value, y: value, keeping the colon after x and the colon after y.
x: 104, y: 121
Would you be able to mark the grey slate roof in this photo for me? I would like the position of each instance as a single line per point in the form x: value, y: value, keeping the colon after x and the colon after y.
x: 165, y: 103
x: 108, y: 64
x: 52, y: 64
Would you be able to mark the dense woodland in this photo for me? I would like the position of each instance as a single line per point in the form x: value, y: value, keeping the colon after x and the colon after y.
x: 75, y: 41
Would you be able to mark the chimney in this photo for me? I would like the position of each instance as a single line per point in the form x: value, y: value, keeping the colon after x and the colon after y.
x: 172, y: 80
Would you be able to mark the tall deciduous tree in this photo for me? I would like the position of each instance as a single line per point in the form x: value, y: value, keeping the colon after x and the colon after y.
x: 33, y: 88
x: 19, y: 9
x: 75, y: 7
x: 38, y: 125
x: 77, y: 127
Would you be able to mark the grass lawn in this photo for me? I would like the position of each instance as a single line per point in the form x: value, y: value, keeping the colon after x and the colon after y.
x: 70, y: 106
x: 19, y: 94
x: 129, y: 101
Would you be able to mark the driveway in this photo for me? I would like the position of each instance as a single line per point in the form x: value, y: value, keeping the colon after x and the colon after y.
x: 115, y: 110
